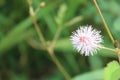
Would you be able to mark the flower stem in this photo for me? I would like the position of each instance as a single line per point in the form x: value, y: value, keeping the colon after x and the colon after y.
x: 114, y: 50
x: 108, y: 31
x: 102, y: 47
x: 104, y: 22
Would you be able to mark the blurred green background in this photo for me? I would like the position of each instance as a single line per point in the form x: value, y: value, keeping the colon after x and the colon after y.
x: 20, y: 55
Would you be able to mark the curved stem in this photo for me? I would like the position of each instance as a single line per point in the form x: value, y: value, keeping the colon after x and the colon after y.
x: 104, y: 22
x: 58, y: 64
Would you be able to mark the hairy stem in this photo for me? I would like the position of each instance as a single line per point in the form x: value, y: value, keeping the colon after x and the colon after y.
x: 48, y: 48
x: 106, y: 48
x: 108, y: 31
x: 104, y: 22
x: 37, y: 26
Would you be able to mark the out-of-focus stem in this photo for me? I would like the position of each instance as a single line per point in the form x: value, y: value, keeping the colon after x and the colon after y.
x: 58, y: 64
x: 35, y: 44
x: 56, y: 36
x: 118, y: 53
x: 32, y: 14
x: 37, y: 28
x: 71, y: 22
x: 48, y: 48
x: 104, y: 22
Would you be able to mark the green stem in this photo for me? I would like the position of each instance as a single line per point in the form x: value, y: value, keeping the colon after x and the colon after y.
x: 32, y: 14
x: 106, y: 48
x: 49, y: 48
x: 104, y: 22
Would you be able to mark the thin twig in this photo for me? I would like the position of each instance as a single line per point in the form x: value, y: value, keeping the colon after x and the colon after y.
x: 58, y: 64
x: 38, y: 30
x: 49, y: 48
x: 71, y: 22
x: 23, y: 56
x: 107, y: 29
x: 35, y: 44
x: 104, y: 22
x: 56, y: 36
x: 32, y: 14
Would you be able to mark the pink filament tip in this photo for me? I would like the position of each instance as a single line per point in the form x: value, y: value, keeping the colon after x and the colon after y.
x: 85, y: 40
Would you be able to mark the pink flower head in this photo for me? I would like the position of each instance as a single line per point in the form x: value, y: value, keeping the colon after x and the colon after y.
x: 86, y: 40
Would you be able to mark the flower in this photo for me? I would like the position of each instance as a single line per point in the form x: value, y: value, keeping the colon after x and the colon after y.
x: 86, y: 40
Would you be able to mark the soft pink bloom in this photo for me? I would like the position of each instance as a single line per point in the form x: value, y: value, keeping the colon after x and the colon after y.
x: 86, y: 40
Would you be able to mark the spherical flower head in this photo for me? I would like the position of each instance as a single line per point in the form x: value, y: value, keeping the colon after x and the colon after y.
x: 86, y: 40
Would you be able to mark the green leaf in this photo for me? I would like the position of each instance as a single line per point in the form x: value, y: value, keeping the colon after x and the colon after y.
x: 51, y: 23
x: 17, y: 34
x: 21, y: 31
x: 112, y: 71
x: 61, y: 14
x: 94, y: 75
x: 10, y: 40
